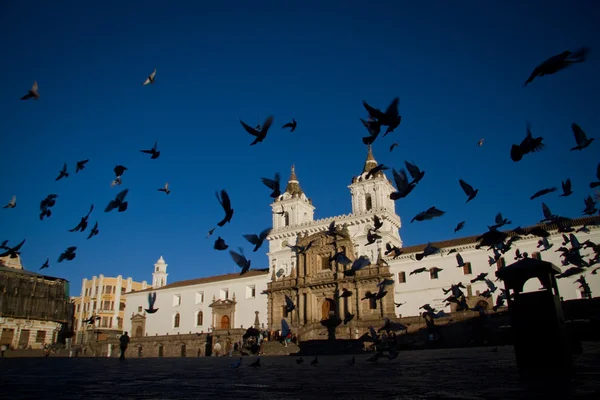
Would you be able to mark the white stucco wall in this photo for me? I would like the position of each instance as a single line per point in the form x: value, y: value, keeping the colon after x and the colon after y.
x: 421, y: 289
x: 197, y: 298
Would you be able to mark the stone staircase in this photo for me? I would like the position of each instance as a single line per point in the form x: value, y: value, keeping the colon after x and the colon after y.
x: 274, y: 348
x: 331, y: 347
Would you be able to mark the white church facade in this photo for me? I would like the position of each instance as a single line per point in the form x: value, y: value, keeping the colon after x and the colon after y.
x: 233, y: 300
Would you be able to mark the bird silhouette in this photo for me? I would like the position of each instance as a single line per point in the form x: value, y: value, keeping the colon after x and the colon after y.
x: 165, y: 189
x: 151, y: 301
x: 273, y: 184
x: 291, y: 125
x: 468, y: 189
x: 84, y: 222
x: 69, y: 254
x: 566, y: 188
x: 390, y: 118
x: 241, y: 260
x: 459, y: 226
x: 63, y: 173
x: 81, y: 165
x: 260, y: 133
x: 12, y: 203
x: 542, y: 192
x: 153, y: 151
x: 226, y: 204
x: 119, y: 202
x: 46, y: 264
x: 557, y: 63
x: 528, y: 145
x: 220, y: 244
x: 32, y: 93
x: 94, y: 231
x: 150, y: 79
x: 580, y: 137
x: 257, y: 240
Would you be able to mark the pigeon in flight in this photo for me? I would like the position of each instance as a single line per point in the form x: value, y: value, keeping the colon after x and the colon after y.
x: 597, y: 183
x: 13, y: 252
x: 94, y: 231
x: 81, y: 165
x: 480, y: 143
x: 403, y: 188
x: 119, y: 170
x: 393, y: 146
x: 542, y: 192
x: 68, y: 254
x: 32, y: 93
x: 257, y: 240
x: 468, y: 189
x: 430, y: 213
x: 165, y: 189
x: 226, y: 204
x: 459, y: 226
x: 150, y: 79
x: 259, y: 133
x: 83, y: 223
x: 273, y: 184
x: 241, y: 260
x: 558, y: 62
x: 580, y: 137
x: 415, y: 172
x: 528, y: 145
x: 390, y: 118
x: 46, y: 264
x: 12, y: 203
x: 374, y: 128
x: 151, y: 301
x: 220, y: 244
x: 119, y: 202
x: 63, y: 173
x: 155, y: 153
x: 46, y: 204
x: 291, y: 125
x: 566, y: 188
x: 289, y: 304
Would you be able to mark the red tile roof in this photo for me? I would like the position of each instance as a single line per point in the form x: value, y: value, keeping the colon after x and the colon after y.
x: 208, y: 279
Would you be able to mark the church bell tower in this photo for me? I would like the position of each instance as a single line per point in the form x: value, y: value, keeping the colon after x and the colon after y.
x: 159, y: 276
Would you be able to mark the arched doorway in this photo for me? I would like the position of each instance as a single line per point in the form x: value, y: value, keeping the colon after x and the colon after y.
x: 327, y: 308
x: 139, y: 331
x: 225, y: 322
x: 483, y: 304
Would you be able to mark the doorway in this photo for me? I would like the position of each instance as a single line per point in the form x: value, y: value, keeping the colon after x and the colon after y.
x: 225, y: 322
x: 327, y: 309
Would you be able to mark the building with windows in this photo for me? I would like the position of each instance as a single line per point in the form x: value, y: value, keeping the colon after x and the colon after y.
x: 34, y: 308
x: 314, y: 281
x: 105, y: 297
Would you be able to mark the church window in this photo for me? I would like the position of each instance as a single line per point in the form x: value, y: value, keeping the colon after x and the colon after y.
x: 402, y: 277
x: 286, y: 219
x: 368, y: 202
x: 467, y: 268
x: 285, y: 311
x: 199, y: 318
x: 433, y: 273
x: 156, y: 269
x: 224, y: 295
x: 372, y: 301
x: 176, y: 300
x: 140, y: 309
x: 324, y: 262
x: 176, y: 320
x: 250, y: 291
x: 162, y: 282
x: 199, y: 297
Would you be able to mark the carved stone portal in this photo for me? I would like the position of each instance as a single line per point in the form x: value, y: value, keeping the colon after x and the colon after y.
x: 223, y: 314
x: 138, y: 325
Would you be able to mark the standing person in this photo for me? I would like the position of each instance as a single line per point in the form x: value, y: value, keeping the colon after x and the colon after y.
x: 3, y: 349
x: 124, y: 339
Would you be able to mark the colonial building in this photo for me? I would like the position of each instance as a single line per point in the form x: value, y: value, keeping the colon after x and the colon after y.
x: 34, y: 308
x: 315, y: 283
x: 105, y: 297
x: 199, y: 305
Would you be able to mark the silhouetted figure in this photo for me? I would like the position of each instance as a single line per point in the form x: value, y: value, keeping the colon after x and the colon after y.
x: 124, y: 339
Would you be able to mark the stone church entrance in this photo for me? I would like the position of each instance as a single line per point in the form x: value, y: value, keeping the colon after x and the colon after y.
x: 327, y: 309
x: 224, y: 322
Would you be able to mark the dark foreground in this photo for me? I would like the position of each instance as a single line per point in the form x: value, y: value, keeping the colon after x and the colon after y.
x: 471, y: 373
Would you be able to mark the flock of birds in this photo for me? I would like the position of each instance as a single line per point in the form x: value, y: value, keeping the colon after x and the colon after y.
x: 495, y: 240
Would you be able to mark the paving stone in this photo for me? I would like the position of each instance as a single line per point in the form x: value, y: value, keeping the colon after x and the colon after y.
x: 467, y: 373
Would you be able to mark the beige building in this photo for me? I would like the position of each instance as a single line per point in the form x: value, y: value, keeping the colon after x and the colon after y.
x: 34, y: 308
x: 103, y: 297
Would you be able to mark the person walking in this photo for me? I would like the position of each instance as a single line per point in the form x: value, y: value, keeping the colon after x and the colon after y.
x: 124, y: 339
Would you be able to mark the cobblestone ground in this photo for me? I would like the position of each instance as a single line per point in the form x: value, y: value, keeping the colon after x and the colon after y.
x: 472, y: 373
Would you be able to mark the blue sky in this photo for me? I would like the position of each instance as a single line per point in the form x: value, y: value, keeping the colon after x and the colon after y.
x: 458, y: 70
